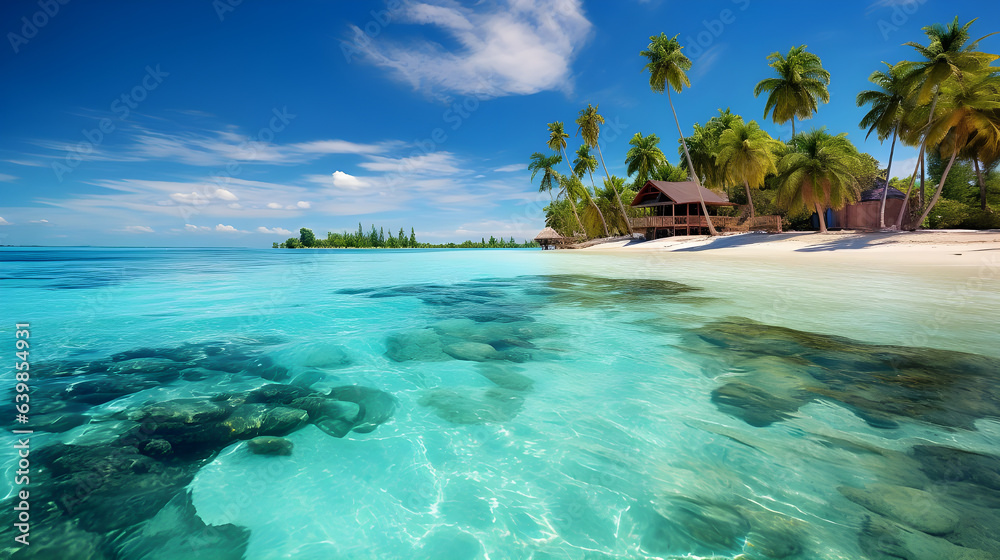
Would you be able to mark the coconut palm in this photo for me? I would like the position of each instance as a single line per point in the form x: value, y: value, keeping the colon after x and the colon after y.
x: 703, y: 145
x: 967, y: 114
x: 589, y: 127
x: 801, y: 82
x: 747, y: 155
x: 886, y: 115
x: 545, y: 164
x: 949, y: 54
x: 816, y: 174
x: 643, y: 157
x: 668, y: 68
x: 612, y: 186
x: 557, y: 143
x: 585, y: 163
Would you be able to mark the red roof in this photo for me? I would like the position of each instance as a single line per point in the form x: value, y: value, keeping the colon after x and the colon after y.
x: 657, y: 193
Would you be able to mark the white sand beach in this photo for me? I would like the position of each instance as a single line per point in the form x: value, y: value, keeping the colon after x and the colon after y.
x: 965, y: 248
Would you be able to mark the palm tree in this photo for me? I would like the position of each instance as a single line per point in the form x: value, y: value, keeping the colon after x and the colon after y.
x: 885, y: 116
x: 586, y: 163
x: 668, y: 68
x: 557, y: 143
x: 816, y: 174
x: 703, y: 146
x: 968, y: 111
x: 589, y: 127
x: 747, y: 155
x: 948, y: 55
x: 643, y: 157
x: 801, y: 82
x: 545, y: 164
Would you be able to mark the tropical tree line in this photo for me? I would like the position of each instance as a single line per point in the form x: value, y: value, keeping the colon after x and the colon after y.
x: 946, y: 102
x: 378, y: 239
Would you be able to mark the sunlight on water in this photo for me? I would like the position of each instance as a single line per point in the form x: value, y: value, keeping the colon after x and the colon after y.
x: 504, y: 404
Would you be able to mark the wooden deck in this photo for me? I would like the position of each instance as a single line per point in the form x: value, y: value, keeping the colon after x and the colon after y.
x: 722, y: 223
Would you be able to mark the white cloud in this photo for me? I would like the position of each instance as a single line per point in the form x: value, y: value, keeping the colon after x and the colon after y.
x: 274, y: 205
x: 223, y: 194
x: 39, y: 221
x: 4, y: 178
x: 191, y: 227
x: 274, y: 231
x: 511, y: 168
x: 4, y: 222
x: 227, y: 229
x: 303, y: 204
x: 510, y: 47
x: 343, y: 180
x: 139, y: 229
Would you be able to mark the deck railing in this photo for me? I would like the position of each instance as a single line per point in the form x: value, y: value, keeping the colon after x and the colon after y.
x: 721, y: 223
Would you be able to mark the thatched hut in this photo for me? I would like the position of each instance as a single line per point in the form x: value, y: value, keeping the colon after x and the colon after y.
x: 863, y: 214
x: 549, y: 238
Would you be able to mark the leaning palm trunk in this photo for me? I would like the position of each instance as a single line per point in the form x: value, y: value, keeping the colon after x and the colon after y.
x: 701, y: 199
x: 920, y: 158
x: 822, y: 219
x: 906, y: 199
x: 569, y: 196
x: 940, y: 187
x: 746, y: 185
x: 594, y: 204
x: 982, y: 184
x: 888, y: 174
x: 621, y: 207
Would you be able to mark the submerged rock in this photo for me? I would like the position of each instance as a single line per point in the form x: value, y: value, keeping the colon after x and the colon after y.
x: 377, y: 406
x: 418, y: 344
x: 266, y: 445
x: 495, y: 405
x: 884, y: 539
x: 881, y: 384
x: 176, y: 531
x: 945, y: 464
x: 472, y: 351
x: 915, y: 508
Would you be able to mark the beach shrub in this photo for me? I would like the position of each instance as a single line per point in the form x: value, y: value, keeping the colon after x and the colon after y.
x: 948, y: 214
x: 982, y: 219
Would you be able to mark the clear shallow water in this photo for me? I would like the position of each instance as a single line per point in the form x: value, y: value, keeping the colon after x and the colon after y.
x: 540, y: 405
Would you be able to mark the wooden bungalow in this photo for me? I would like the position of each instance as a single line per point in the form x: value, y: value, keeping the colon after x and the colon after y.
x: 863, y: 214
x: 676, y: 210
x: 549, y: 238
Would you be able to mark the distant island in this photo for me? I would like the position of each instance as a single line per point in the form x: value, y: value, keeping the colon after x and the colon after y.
x: 377, y: 239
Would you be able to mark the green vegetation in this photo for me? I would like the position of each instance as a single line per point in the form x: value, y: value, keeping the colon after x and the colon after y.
x: 377, y: 239
x: 947, y: 103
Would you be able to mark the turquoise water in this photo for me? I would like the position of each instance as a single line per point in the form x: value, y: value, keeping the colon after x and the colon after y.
x: 513, y: 404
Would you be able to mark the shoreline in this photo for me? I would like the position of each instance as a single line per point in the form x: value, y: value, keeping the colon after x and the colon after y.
x: 965, y: 248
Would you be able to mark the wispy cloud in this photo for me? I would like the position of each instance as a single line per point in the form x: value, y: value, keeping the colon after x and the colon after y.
x: 510, y: 47
x: 139, y: 229
x: 4, y: 222
x: 4, y: 178
x: 511, y: 168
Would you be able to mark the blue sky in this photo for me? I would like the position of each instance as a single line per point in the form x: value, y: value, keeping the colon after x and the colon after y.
x: 228, y: 123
